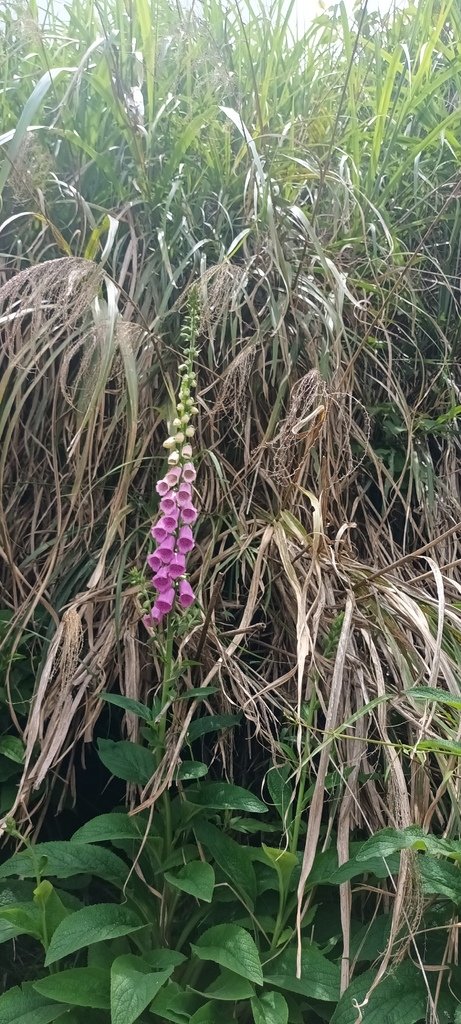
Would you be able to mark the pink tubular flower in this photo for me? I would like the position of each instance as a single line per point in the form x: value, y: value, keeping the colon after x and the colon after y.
x: 171, y: 532
x: 162, y: 579
x: 165, y: 601
x: 188, y: 473
x: 189, y: 514
x: 186, y: 594
x: 185, y: 540
x: 168, y: 503
x: 166, y: 549
x: 184, y: 495
x: 177, y: 566
x: 154, y: 561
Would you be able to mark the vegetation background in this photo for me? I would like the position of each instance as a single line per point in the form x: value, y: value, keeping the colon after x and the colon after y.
x: 310, y: 189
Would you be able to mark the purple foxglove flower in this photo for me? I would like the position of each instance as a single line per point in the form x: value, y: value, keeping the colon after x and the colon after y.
x: 170, y: 522
x: 162, y: 487
x: 159, y: 532
x: 189, y: 514
x: 188, y: 473
x: 184, y: 495
x: 187, y: 451
x: 185, y: 540
x: 162, y: 579
x: 153, y: 561
x: 177, y: 566
x: 165, y: 601
x: 165, y: 550
x: 173, y: 476
x: 186, y: 594
x: 168, y: 503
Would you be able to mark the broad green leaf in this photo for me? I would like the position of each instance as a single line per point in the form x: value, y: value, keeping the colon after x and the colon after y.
x: 400, y: 998
x: 91, y: 924
x: 164, y: 959
x: 233, y: 859
x: 232, y: 947
x: 62, y: 859
x: 281, y: 791
x: 134, y: 706
x: 25, y: 920
x: 173, y: 1004
x: 210, y: 723
x: 79, y: 986
x: 196, y: 878
x: 51, y: 905
x: 229, y: 987
x: 126, y: 760
x: 210, y: 1013
x: 319, y: 976
x: 117, y: 825
x: 12, y: 748
x: 283, y: 863
x: 25, y: 1006
x: 133, y: 985
x: 270, y: 1008
x: 221, y: 796
x: 440, y: 878
x: 191, y: 770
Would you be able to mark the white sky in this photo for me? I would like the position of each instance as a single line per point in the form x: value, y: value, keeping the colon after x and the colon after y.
x: 305, y: 10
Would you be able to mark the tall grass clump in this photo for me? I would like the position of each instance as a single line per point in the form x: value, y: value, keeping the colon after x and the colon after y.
x: 308, y: 191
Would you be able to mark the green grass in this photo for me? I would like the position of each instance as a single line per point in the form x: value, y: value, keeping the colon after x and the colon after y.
x: 312, y: 188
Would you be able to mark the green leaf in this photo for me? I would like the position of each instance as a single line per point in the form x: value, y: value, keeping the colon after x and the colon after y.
x: 164, y: 959
x: 440, y: 878
x: 281, y: 791
x: 210, y: 723
x: 133, y: 985
x: 116, y: 825
x: 229, y: 987
x: 25, y: 1006
x: 196, y: 878
x: 135, y: 706
x: 232, y: 947
x: 197, y: 692
x: 79, y: 986
x: 319, y: 977
x: 283, y: 863
x: 270, y: 1008
x: 12, y: 748
x: 210, y: 1014
x: 62, y: 859
x: 234, y: 860
x: 437, y: 696
x: 24, y: 920
x: 126, y: 760
x: 223, y: 796
x: 28, y: 112
x: 91, y: 924
x: 400, y: 998
x: 51, y: 905
x: 173, y: 1004
x: 191, y: 770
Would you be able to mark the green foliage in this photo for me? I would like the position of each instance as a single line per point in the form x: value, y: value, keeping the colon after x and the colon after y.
x: 310, y: 189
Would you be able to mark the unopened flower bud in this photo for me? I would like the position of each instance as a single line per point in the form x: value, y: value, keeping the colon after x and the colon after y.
x: 176, y: 422
x: 180, y: 437
x: 189, y: 431
x: 170, y: 442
